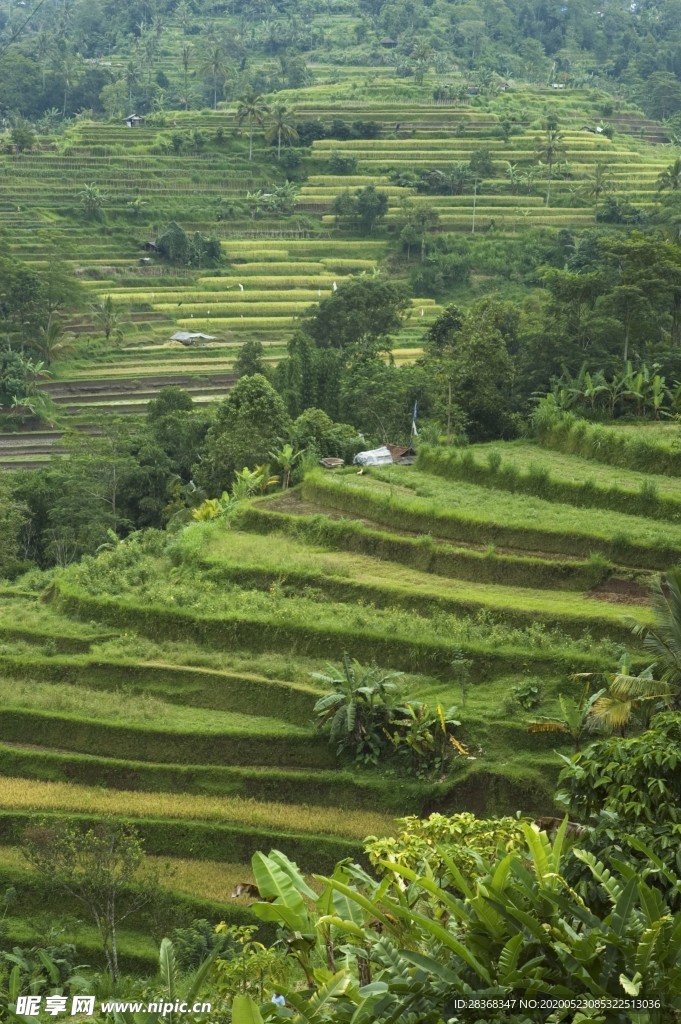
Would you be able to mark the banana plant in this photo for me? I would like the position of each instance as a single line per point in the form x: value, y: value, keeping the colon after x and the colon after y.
x: 174, y: 987
x: 575, y: 719
x: 283, y: 892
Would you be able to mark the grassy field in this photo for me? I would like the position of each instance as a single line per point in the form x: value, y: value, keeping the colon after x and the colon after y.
x: 467, y: 512
x: 565, y: 467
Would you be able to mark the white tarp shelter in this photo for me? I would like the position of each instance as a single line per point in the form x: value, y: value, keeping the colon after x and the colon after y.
x: 189, y: 336
x: 376, y: 457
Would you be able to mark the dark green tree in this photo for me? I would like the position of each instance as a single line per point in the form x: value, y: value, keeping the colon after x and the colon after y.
x: 249, y: 424
x: 360, y: 315
x: 249, y: 359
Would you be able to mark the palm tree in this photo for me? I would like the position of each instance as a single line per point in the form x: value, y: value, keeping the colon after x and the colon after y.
x: 281, y: 127
x: 628, y: 697
x: 663, y: 639
x: 51, y: 339
x: 186, y: 57
x: 67, y: 66
x: 216, y: 65
x: 597, y: 184
x: 671, y: 177
x: 549, y: 148
x: 131, y: 77
x: 252, y: 109
x: 107, y: 318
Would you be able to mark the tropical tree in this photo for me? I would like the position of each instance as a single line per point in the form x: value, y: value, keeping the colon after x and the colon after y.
x: 597, y: 184
x: 92, y: 199
x: 549, y: 148
x: 253, y: 110
x: 131, y: 77
x: 252, y: 481
x: 50, y: 340
x: 426, y: 734
x: 453, y: 180
x: 663, y: 639
x: 671, y: 177
x: 212, y: 508
x: 96, y: 867
x: 248, y: 424
x: 281, y: 127
x: 628, y: 698
x: 286, y: 458
x: 108, y: 318
x: 216, y: 66
x: 359, y: 709
x: 67, y: 66
x: 186, y: 55
x: 575, y: 718
x: 410, y: 946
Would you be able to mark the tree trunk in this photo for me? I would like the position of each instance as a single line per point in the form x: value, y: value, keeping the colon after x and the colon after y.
x: 250, y: 145
x: 279, y: 144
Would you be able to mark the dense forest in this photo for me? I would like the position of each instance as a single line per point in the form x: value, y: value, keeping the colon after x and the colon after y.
x: 58, y: 52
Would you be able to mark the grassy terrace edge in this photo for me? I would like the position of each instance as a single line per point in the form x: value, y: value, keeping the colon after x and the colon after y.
x: 424, y: 553
x: 453, y: 465
x: 181, y: 684
x: 257, y: 633
x: 417, y: 514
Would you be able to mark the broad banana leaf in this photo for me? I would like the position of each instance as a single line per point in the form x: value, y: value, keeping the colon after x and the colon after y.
x: 245, y: 1011
x: 168, y: 968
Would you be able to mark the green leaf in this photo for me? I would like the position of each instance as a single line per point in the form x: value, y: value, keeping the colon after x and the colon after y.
x: 168, y: 968
x: 447, y: 940
x: 274, y: 880
x: 632, y: 986
x: 508, y: 958
x: 245, y: 1011
x: 646, y: 947
x: 625, y: 904
x: 203, y: 971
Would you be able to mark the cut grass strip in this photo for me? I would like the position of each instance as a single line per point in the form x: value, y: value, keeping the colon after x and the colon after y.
x: 35, y: 795
x: 240, y: 692
x: 119, y: 707
x: 87, y: 735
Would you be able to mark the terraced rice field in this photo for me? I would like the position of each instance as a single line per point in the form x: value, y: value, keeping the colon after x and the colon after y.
x: 275, y: 270
x: 172, y: 686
